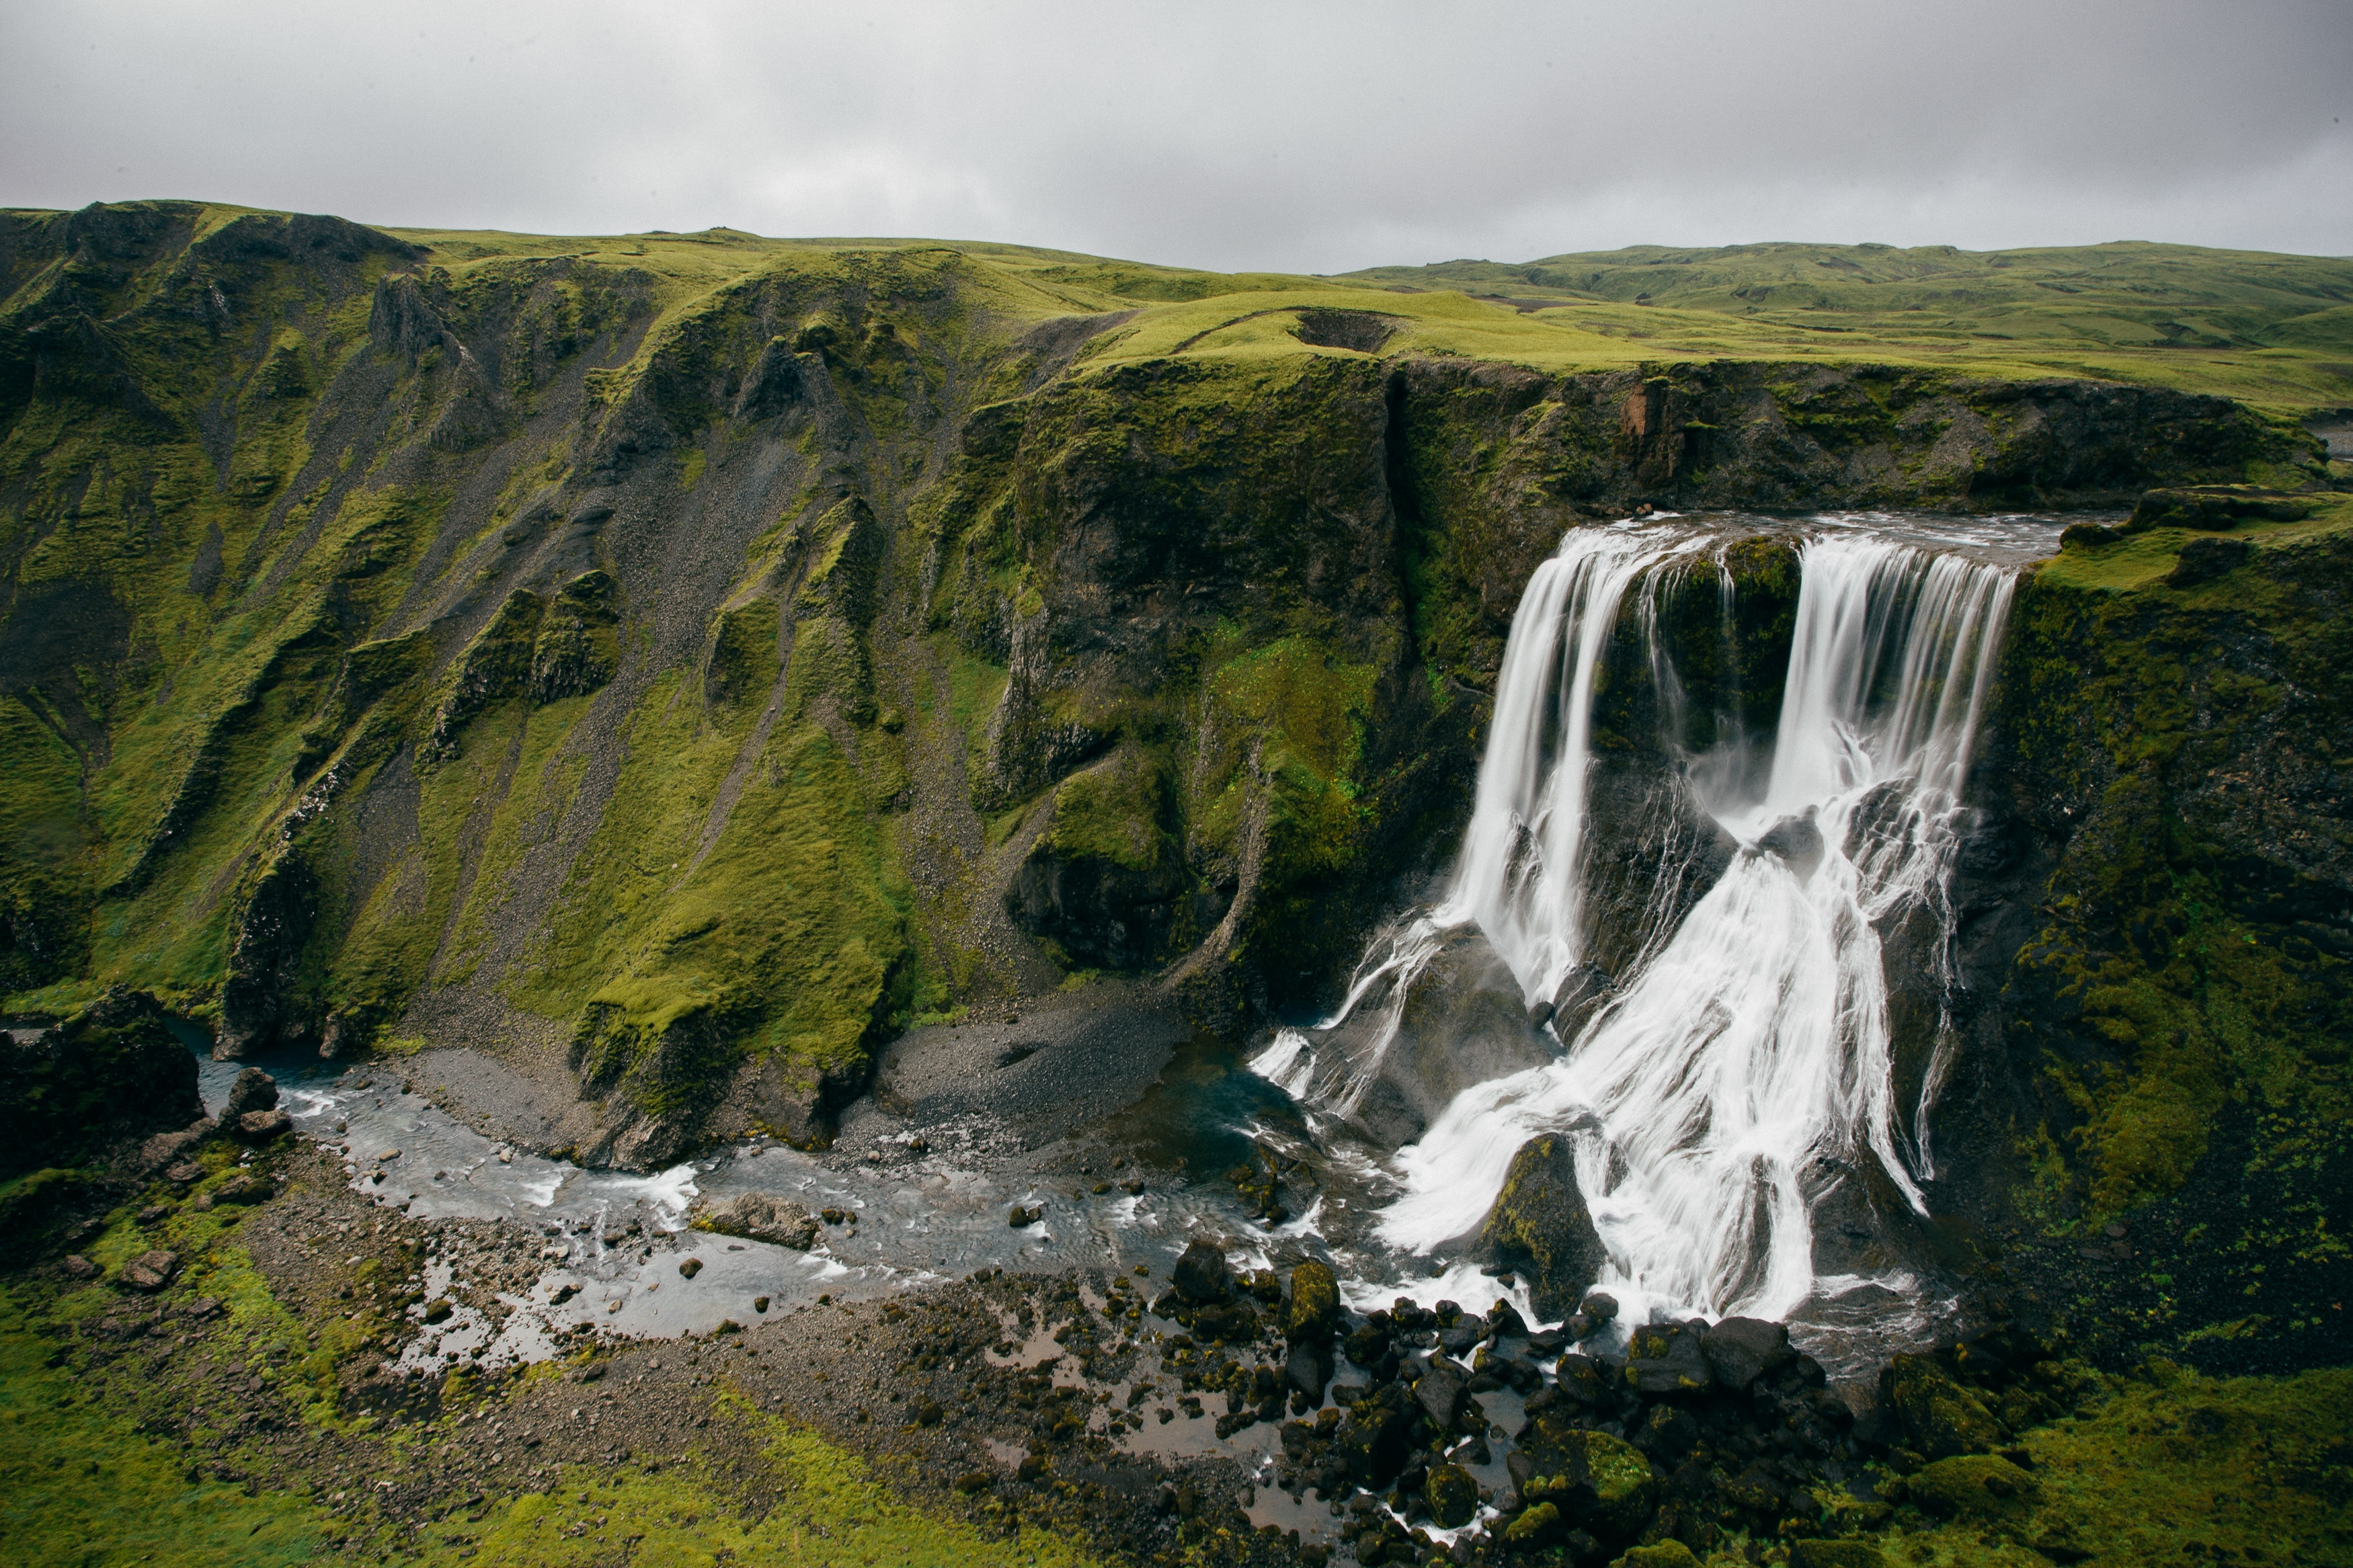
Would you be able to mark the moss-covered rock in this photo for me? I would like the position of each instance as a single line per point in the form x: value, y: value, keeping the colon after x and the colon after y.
x: 1942, y: 1417
x: 1598, y: 1482
x: 1540, y: 1222
x: 1973, y: 1486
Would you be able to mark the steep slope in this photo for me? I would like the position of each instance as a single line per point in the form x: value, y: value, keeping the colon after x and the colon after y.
x: 677, y: 661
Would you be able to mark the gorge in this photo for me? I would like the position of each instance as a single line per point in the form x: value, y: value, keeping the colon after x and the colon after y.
x: 1452, y: 799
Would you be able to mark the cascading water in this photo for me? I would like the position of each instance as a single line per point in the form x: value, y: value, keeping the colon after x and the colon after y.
x: 1746, y: 1057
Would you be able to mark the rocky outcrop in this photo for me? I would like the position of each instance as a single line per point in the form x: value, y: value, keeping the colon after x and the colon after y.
x: 112, y: 1070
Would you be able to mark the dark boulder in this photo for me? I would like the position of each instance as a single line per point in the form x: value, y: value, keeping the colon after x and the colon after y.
x: 1374, y: 1443
x: 1308, y: 1368
x: 1540, y: 1224
x: 1201, y: 1274
x: 1742, y: 1350
x: 1444, y: 1394
x: 1666, y: 1359
x: 1463, y: 1021
x: 253, y: 1089
x: 151, y: 1271
x: 761, y: 1216
x: 111, y: 1071
x: 1451, y: 1494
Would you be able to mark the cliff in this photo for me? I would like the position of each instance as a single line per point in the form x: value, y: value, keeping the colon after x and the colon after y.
x: 680, y: 661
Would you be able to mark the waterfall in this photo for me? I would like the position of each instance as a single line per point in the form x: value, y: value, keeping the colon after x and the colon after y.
x: 1747, y: 1055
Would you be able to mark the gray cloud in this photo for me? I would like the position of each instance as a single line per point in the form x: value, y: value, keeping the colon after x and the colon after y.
x: 1311, y: 138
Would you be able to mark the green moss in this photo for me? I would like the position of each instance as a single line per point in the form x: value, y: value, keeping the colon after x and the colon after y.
x: 79, y: 1484
x: 2176, y: 1469
x: 1117, y: 812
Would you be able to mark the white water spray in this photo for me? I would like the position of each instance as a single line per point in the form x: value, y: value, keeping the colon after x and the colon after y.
x: 1749, y: 1053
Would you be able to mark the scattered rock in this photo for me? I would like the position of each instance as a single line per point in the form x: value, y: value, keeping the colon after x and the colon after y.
x: 80, y: 1268
x: 1023, y: 1218
x: 151, y: 1271
x: 689, y: 1268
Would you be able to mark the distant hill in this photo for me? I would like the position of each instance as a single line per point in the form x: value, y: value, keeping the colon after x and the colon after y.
x: 2278, y: 328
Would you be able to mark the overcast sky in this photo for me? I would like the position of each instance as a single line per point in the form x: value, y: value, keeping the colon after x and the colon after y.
x: 1296, y: 137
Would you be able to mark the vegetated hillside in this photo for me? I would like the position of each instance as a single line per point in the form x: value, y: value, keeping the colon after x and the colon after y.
x: 678, y: 661
x: 2276, y: 331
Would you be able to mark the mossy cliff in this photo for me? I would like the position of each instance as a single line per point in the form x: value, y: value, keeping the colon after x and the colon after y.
x: 687, y: 658
x: 2155, y: 931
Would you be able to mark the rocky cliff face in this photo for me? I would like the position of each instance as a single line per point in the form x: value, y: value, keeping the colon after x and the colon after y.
x: 689, y: 661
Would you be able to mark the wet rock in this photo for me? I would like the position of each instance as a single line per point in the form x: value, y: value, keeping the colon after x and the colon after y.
x: 1798, y: 841
x: 1308, y: 1368
x: 1741, y: 1350
x: 689, y: 1267
x: 1669, y: 1432
x: 1312, y: 1311
x: 1943, y: 1418
x: 1463, y: 1021
x: 1231, y: 1323
x: 1973, y: 1487
x: 1019, y: 1218
x: 1451, y: 1494
x: 1504, y: 1321
x: 261, y: 1126
x: 1201, y: 1275
x: 252, y: 1090
x: 1444, y: 1394
x: 151, y: 1271
x: 1599, y: 1308
x: 761, y: 1216
x: 1540, y: 1224
x: 1373, y: 1443
x: 1664, y: 1359
x: 439, y: 1311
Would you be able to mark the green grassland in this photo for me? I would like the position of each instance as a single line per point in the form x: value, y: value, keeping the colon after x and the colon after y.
x: 2276, y: 331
